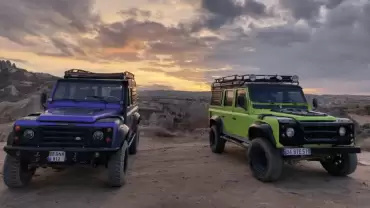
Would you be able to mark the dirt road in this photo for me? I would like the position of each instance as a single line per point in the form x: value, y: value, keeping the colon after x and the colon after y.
x: 184, y: 173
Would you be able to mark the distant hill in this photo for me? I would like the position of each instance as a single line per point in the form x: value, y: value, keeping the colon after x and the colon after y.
x: 17, y: 84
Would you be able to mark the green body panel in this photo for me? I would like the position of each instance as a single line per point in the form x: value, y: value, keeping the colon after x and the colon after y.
x: 237, y: 120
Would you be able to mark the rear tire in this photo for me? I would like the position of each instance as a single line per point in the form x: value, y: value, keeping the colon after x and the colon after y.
x: 117, y: 167
x: 264, y: 160
x: 341, y: 164
x: 16, y: 173
x: 216, y: 143
x: 135, y: 143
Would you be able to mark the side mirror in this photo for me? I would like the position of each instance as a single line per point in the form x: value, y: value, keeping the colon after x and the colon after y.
x: 43, y: 99
x: 241, y: 101
x: 315, y: 103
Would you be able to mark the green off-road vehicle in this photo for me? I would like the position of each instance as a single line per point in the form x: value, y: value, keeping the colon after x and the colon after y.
x: 270, y: 117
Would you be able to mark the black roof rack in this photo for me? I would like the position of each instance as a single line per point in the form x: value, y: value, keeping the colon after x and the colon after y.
x: 240, y: 80
x: 82, y: 74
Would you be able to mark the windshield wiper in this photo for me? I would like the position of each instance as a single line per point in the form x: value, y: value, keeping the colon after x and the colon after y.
x: 101, y: 98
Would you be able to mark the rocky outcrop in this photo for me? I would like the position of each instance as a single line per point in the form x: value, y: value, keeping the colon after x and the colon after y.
x: 17, y: 84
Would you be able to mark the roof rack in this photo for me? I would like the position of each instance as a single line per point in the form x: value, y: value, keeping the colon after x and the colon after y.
x: 82, y: 74
x: 240, y: 80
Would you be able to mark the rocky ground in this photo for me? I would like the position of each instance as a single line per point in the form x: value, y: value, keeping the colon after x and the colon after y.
x: 182, y: 172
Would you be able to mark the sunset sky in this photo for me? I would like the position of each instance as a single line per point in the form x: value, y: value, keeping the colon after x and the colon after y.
x: 185, y: 44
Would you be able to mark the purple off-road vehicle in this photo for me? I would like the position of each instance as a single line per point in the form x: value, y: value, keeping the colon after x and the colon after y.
x: 90, y: 118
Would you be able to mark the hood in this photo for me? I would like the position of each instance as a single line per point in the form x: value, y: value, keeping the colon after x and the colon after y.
x: 83, y: 115
x: 300, y: 114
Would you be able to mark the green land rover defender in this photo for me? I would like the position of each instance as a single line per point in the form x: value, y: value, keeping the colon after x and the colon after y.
x: 270, y: 117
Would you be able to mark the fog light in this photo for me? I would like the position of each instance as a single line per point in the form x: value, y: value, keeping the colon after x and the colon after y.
x: 289, y: 132
x: 98, y: 135
x: 28, y: 134
x: 342, y: 131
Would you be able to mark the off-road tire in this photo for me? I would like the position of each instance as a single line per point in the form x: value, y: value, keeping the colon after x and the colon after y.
x: 216, y: 143
x: 135, y: 143
x: 15, y: 173
x: 268, y: 168
x: 117, y: 167
x: 347, y: 165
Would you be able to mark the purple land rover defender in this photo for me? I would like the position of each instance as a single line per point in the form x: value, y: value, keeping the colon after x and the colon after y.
x: 89, y: 118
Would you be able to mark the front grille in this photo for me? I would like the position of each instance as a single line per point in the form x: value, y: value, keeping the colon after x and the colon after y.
x: 320, y: 131
x: 317, y: 133
x: 62, y: 136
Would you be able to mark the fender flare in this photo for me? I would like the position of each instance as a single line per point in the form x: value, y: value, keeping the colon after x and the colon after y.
x: 137, y: 117
x: 217, y: 120
x: 10, y: 138
x: 261, y: 129
x: 122, y: 135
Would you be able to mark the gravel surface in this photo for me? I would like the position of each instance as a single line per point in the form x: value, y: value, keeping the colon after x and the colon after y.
x: 182, y: 172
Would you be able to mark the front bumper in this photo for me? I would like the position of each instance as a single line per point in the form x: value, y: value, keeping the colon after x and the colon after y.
x: 336, y: 150
x: 39, y: 155
x: 319, y: 151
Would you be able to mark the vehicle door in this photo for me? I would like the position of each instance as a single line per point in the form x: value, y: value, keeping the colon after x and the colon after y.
x: 227, y: 110
x: 241, y: 117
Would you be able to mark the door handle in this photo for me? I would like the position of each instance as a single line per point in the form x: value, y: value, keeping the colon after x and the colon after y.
x: 234, y: 118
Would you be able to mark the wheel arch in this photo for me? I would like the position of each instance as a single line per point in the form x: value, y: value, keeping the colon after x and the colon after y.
x: 216, y: 120
x: 261, y: 130
x: 122, y: 135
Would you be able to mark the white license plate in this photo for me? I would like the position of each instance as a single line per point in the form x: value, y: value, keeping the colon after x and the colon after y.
x: 57, y: 156
x: 296, y: 151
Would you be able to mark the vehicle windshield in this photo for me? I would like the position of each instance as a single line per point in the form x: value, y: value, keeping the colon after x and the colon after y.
x: 276, y: 94
x: 88, y: 91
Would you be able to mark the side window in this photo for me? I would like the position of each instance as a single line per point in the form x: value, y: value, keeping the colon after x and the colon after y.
x: 216, y: 97
x: 229, y: 97
x: 133, y: 96
x: 129, y: 97
x: 240, y: 99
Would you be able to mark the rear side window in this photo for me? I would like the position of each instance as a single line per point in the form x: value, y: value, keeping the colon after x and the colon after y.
x: 134, y: 96
x: 216, y: 97
x: 229, y: 97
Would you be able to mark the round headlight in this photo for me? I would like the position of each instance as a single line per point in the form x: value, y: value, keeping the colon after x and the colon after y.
x: 28, y: 134
x: 289, y: 132
x: 98, y: 135
x: 342, y: 131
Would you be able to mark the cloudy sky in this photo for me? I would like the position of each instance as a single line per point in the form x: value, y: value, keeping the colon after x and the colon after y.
x: 185, y: 44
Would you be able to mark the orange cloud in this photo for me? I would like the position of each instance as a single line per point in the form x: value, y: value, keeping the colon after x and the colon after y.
x: 312, y: 90
x: 133, y: 46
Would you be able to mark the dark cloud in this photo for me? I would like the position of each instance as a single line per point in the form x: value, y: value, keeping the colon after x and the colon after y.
x: 283, y: 35
x: 303, y: 9
x: 331, y: 4
x: 221, y: 12
x: 308, y: 10
x: 19, y: 18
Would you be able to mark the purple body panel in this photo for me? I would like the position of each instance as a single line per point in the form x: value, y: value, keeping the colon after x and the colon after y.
x: 79, y: 112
